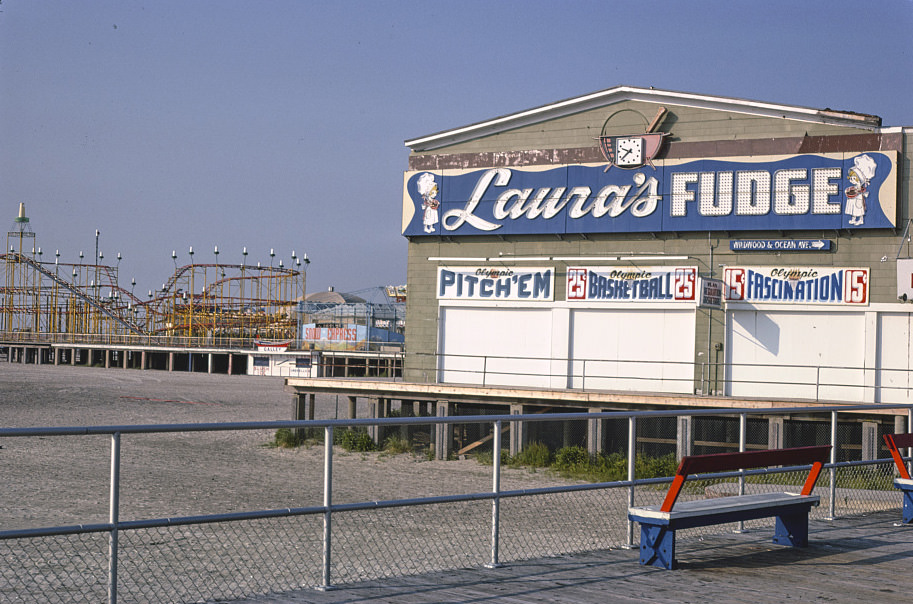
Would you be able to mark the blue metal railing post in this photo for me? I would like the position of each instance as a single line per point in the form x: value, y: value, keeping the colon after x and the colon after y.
x: 632, y: 447
x: 327, y: 504
x: 743, y: 443
x: 832, y: 508
x: 114, y: 518
x: 496, y: 500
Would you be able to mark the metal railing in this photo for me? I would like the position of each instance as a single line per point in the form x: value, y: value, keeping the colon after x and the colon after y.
x: 810, y: 382
x: 238, y: 553
x: 221, y: 342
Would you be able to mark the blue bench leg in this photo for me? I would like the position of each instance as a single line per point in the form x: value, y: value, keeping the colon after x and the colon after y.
x: 907, y: 506
x: 792, y: 529
x: 657, y: 546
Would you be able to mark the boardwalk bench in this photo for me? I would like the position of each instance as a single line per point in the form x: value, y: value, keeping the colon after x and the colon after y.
x: 903, y: 482
x: 658, y: 523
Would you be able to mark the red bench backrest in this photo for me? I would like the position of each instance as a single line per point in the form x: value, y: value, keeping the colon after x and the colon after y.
x: 895, y: 442
x: 727, y: 462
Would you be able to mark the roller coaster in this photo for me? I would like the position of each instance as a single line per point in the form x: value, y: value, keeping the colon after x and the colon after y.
x: 224, y: 305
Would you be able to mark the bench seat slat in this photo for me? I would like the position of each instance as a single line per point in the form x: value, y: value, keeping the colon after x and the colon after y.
x: 721, y: 505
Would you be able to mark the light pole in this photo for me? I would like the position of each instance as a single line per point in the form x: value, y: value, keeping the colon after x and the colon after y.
x: 192, y: 271
x: 242, y: 329
x: 56, y: 291
x: 298, y: 262
x: 95, y: 292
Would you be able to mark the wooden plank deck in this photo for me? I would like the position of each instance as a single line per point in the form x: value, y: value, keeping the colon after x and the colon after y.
x: 556, y: 397
x: 849, y: 560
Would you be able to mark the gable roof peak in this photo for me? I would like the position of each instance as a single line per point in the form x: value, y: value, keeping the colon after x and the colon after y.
x: 619, y: 94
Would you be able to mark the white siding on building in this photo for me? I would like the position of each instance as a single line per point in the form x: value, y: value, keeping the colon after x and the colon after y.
x: 605, y: 349
x: 496, y: 346
x: 809, y: 354
x: 894, y: 351
x: 646, y: 350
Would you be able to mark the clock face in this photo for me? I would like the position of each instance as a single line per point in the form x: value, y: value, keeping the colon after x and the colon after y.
x: 629, y: 151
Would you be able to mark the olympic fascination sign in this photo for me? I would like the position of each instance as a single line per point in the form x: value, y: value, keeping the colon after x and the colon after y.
x: 801, y: 192
x: 797, y: 285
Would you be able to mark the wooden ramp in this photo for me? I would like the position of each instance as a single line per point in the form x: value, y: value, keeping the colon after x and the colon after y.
x: 849, y: 560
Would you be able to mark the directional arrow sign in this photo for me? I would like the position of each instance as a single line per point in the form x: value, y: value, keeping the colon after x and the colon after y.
x: 780, y: 245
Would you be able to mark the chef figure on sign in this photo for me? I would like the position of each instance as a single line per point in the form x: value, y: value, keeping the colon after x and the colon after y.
x: 862, y: 172
x: 427, y: 188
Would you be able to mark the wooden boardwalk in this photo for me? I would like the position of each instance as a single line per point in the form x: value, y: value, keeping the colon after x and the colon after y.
x: 858, y: 559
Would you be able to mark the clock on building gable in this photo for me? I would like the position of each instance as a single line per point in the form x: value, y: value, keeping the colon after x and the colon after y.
x: 629, y: 151
x: 632, y: 151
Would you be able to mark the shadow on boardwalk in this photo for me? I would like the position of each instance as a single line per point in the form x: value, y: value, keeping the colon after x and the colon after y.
x: 857, y: 559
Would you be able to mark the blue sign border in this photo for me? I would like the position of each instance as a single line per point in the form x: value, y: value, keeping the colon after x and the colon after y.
x: 590, y: 199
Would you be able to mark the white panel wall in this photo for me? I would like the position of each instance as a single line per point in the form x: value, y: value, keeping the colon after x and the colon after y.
x: 604, y: 349
x: 496, y: 346
x: 806, y: 353
x: 809, y: 354
x: 894, y: 350
x: 640, y: 350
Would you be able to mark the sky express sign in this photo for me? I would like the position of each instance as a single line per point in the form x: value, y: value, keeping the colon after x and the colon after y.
x: 828, y: 191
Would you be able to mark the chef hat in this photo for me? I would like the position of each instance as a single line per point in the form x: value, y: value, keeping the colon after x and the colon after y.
x: 864, y: 166
x: 425, y: 183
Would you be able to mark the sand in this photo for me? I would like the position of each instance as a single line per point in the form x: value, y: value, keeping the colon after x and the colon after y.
x: 52, y: 481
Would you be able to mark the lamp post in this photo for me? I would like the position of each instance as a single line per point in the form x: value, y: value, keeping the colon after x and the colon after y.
x: 56, y: 320
x: 298, y: 263
x: 242, y: 329
x: 97, y: 233
x: 192, y: 271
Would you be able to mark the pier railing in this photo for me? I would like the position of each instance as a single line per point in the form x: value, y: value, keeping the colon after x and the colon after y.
x: 320, y: 540
x: 845, y: 383
x: 210, y: 341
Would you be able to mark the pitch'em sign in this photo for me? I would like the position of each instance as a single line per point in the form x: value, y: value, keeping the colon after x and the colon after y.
x: 800, y: 192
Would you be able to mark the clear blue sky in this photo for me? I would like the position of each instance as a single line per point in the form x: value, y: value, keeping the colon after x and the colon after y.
x: 280, y: 124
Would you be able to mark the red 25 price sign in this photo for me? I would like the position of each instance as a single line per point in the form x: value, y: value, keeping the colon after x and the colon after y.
x: 576, y: 283
x: 684, y: 284
x: 856, y: 286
